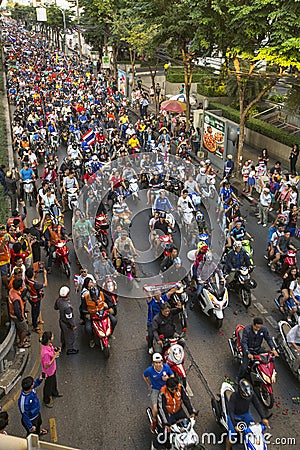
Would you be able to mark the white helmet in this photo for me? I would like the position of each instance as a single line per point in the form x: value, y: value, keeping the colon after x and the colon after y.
x: 237, y: 244
x: 64, y: 291
x: 157, y: 357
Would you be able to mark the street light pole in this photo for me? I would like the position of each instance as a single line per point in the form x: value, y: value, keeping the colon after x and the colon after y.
x: 78, y: 31
x: 63, y: 11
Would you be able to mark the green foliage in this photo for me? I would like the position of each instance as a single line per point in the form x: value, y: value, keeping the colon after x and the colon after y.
x: 257, y: 125
x: 4, y: 210
x: 212, y: 91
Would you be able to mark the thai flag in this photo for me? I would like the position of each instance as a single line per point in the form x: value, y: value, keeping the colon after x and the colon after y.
x: 76, y: 276
x: 11, y: 38
x: 89, y: 137
x: 89, y: 245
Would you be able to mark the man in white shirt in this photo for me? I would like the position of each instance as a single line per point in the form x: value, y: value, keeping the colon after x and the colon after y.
x: 264, y: 206
x: 293, y: 337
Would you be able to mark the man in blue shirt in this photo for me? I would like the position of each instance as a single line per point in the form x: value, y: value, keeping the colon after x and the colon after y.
x: 29, y: 406
x: 154, y: 309
x: 155, y: 377
x: 26, y: 174
x: 162, y: 203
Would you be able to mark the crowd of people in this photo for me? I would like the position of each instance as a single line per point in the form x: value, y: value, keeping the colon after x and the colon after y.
x: 74, y: 131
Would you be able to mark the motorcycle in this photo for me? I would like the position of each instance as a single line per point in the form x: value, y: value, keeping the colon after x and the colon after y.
x: 72, y: 198
x: 166, y: 243
x: 173, y: 354
x: 182, y: 433
x: 287, y: 307
x: 252, y: 435
x: 134, y: 188
x: 261, y: 369
x: 286, y: 350
x: 61, y: 256
x: 102, y: 329
x: 125, y: 267
x: 101, y: 226
x: 242, y: 284
x: 246, y: 243
x: 213, y: 299
x: 28, y: 191
x: 285, y: 262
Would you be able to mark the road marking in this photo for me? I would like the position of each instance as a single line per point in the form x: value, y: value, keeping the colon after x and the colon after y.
x: 260, y: 308
x: 53, y: 430
x: 272, y: 322
x: 189, y: 390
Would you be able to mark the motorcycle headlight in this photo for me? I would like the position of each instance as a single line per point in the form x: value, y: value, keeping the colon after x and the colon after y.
x: 266, y: 378
x: 216, y: 305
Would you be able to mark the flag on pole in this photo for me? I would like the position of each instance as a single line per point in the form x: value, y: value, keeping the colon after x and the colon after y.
x: 89, y: 137
x: 11, y: 38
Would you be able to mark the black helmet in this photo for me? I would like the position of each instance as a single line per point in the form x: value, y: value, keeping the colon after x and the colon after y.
x: 245, y: 388
x: 93, y: 292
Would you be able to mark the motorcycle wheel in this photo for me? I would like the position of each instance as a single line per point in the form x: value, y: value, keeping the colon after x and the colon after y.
x: 218, y: 323
x: 103, y: 239
x: 246, y: 297
x: 30, y: 199
x: 266, y: 397
x: 106, y: 352
x: 215, y: 406
x: 67, y: 269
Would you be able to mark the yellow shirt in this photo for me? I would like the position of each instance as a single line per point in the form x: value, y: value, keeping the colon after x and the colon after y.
x: 133, y: 142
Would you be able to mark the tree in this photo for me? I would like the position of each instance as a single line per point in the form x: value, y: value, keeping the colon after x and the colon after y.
x: 262, y: 42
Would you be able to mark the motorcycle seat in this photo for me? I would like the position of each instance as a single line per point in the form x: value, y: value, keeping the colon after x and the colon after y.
x: 227, y: 396
x: 285, y: 328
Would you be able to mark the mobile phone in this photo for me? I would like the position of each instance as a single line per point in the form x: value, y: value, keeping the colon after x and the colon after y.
x: 43, y: 375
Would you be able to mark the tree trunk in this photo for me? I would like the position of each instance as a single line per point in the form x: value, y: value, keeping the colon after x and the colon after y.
x: 114, y: 62
x: 188, y: 76
x: 153, y: 75
x: 132, y: 60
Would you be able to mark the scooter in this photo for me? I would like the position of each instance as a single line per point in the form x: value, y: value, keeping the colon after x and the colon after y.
x: 242, y: 284
x: 180, y: 296
x: 124, y: 266
x: 134, y: 188
x: 261, y: 370
x: 102, y: 330
x: 173, y: 354
x: 251, y: 435
x: 61, y: 256
x: 285, y: 262
x: 182, y: 434
x: 72, y: 198
x: 101, y: 226
x: 286, y: 350
x: 213, y: 299
x: 287, y: 307
x: 28, y: 191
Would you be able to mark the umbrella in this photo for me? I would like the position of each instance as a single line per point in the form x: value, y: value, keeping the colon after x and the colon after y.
x: 182, y: 98
x: 173, y: 106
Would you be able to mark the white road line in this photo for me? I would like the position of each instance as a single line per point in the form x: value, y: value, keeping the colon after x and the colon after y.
x: 272, y: 322
x: 189, y: 390
x: 260, y: 308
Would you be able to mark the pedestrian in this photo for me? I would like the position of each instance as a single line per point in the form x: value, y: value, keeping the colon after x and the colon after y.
x: 293, y: 158
x: 228, y: 167
x: 29, y: 406
x: 157, y: 92
x: 195, y: 140
x: 245, y: 174
x: 11, y: 185
x: 155, y: 376
x: 36, y: 242
x: 16, y: 307
x: 2, y: 179
x: 48, y: 362
x: 36, y: 293
x: 66, y: 320
x: 251, y: 179
x: 264, y: 204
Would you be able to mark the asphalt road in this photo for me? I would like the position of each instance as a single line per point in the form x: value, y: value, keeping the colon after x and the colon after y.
x: 104, y: 403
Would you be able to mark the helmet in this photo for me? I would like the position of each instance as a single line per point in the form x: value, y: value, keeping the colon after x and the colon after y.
x: 157, y: 357
x: 64, y: 291
x: 202, y: 170
x: 95, y: 158
x: 201, y: 245
x: 94, y: 292
x: 177, y: 260
x: 199, y: 216
x: 207, y: 161
x: 237, y: 244
x: 245, y: 389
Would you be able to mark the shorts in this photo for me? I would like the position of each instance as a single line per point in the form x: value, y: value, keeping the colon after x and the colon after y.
x: 251, y: 181
x: 21, y: 326
x: 4, y: 270
x: 154, y: 396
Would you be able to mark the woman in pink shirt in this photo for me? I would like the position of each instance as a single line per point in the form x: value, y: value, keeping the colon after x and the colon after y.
x: 48, y: 361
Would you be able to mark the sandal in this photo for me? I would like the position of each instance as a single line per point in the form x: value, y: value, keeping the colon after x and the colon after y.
x: 41, y: 322
x: 43, y: 431
x: 281, y: 309
x: 25, y: 345
x: 37, y: 330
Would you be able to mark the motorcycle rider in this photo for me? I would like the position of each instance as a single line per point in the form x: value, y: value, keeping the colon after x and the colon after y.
x: 236, y: 258
x: 82, y: 230
x: 154, y: 184
x: 168, y: 261
x: 184, y: 204
x: 238, y: 411
x: 252, y: 338
x: 54, y: 232
x: 163, y: 324
x: 66, y: 320
x: 154, y: 303
x: 26, y: 173
x: 155, y: 376
x: 171, y: 399
x: 283, y: 245
x: 69, y: 182
x: 206, y: 270
x: 162, y: 203
x: 94, y: 300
